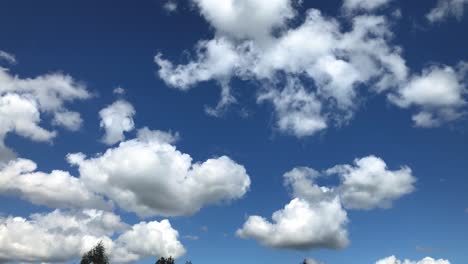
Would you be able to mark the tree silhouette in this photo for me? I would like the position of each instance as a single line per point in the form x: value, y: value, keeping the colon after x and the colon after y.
x: 162, y: 260
x: 96, y: 255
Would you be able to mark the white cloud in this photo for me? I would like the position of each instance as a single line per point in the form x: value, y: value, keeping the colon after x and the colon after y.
x: 427, y: 260
x: 350, y: 5
x: 57, y: 189
x: 23, y: 101
x: 438, y: 92
x: 370, y: 184
x: 68, y: 119
x: 149, y: 176
x: 298, y: 111
x: 312, y: 261
x: 119, y: 90
x: 301, y: 181
x: 148, y: 239
x: 170, y: 6
x: 316, y: 217
x: 301, y: 225
x: 235, y: 18
x: 63, y: 236
x: 329, y: 63
x: 10, y: 58
x: 192, y: 237
x: 446, y: 8
x: 331, y: 68
x: 116, y: 119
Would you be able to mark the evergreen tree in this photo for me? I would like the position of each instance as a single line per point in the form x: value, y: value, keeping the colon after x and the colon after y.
x: 162, y: 260
x: 96, y: 255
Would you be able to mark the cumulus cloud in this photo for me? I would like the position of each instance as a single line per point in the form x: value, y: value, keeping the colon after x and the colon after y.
x: 427, y: 260
x: 445, y: 9
x: 234, y: 18
x: 23, y: 101
x: 329, y: 62
x: 10, y: 58
x: 146, y: 175
x: 62, y: 236
x: 148, y: 239
x: 365, y: 185
x: 300, y: 225
x: 350, y: 5
x: 69, y: 120
x: 149, y: 176
x: 370, y: 184
x: 116, y: 119
x: 331, y: 68
x: 316, y: 217
x: 438, y: 93
x: 298, y: 111
x: 57, y: 189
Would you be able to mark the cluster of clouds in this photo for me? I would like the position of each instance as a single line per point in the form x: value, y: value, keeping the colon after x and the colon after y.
x: 25, y: 101
x: 314, y: 74
x: 427, y: 260
x: 146, y: 175
x: 394, y: 260
x: 59, y: 236
x: 316, y: 217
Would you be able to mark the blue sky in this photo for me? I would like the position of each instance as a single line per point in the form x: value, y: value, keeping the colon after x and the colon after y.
x: 347, y: 118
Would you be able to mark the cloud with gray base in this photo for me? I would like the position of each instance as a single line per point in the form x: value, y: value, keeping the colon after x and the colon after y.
x: 317, y: 217
x: 61, y: 236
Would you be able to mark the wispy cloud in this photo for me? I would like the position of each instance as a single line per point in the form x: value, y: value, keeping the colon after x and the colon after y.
x: 10, y: 58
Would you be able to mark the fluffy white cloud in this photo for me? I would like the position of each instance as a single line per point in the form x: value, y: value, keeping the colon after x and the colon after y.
x: 10, y: 58
x: 316, y: 217
x: 438, y: 92
x: 149, y: 176
x: 367, y: 184
x: 370, y: 184
x: 63, y: 236
x: 69, y: 120
x: 301, y: 225
x: 217, y: 59
x: 57, y: 189
x: 329, y: 62
x: 24, y: 100
x: 301, y: 181
x: 116, y: 119
x: 427, y: 260
x: 364, y: 4
x: 446, y: 8
x: 298, y: 111
x: 148, y: 239
x: 235, y: 17
x: 331, y: 67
